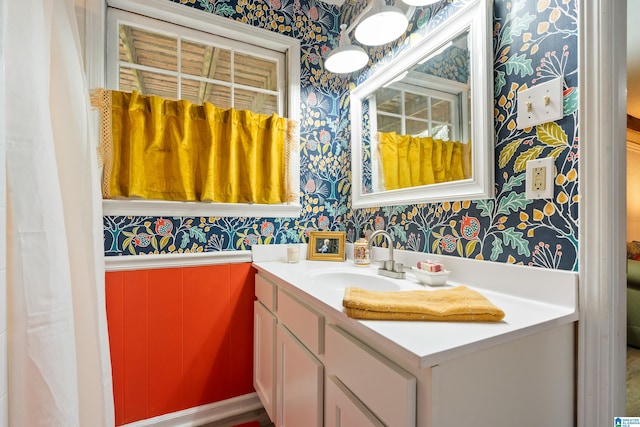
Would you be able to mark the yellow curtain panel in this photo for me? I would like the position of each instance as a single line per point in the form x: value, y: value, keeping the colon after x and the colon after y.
x: 409, y: 161
x: 153, y: 148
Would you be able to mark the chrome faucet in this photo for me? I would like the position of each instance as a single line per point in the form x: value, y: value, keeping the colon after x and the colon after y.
x: 386, y: 236
x: 389, y: 268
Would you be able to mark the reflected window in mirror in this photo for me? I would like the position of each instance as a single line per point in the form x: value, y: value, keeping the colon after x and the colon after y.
x: 419, y: 127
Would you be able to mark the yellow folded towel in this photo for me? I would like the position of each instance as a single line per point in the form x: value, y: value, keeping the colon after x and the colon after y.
x: 454, y: 304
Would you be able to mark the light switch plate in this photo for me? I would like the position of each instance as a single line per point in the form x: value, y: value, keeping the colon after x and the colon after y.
x: 540, y: 104
x: 539, y: 179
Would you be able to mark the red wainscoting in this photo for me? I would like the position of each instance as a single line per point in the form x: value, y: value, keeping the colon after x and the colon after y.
x: 180, y: 337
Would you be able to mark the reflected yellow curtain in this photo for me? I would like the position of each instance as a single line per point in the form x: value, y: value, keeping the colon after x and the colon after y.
x: 409, y: 161
x: 153, y: 148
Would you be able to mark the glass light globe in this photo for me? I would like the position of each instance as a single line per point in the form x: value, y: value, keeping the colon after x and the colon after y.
x: 346, y: 58
x: 381, y: 25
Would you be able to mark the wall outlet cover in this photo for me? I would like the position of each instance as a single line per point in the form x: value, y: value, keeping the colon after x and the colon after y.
x: 539, y: 178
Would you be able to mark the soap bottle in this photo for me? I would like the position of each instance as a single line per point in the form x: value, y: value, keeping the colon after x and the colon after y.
x: 361, y: 251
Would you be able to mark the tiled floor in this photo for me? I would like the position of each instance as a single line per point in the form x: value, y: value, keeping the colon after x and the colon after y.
x: 633, y: 382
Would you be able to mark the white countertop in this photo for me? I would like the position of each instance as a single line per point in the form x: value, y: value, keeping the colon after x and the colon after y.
x: 533, y: 300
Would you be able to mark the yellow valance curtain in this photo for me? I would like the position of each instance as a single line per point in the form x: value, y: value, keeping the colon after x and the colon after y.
x: 409, y: 161
x: 153, y: 148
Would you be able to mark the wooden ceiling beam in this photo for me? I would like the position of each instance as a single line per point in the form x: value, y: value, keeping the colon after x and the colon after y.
x: 126, y: 39
x: 633, y: 123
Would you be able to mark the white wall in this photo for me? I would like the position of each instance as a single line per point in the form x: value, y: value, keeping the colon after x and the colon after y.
x: 633, y: 186
x: 4, y: 409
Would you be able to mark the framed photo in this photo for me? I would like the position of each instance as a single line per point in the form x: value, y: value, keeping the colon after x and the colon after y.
x: 327, y: 246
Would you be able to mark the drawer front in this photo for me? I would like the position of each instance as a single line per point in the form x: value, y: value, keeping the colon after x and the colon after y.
x: 266, y: 292
x: 386, y: 389
x: 303, y: 321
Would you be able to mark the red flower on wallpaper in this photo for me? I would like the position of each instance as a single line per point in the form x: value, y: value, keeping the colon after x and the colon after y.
x: 469, y: 227
x: 267, y: 228
x: 313, y: 13
x: 142, y: 240
x: 163, y: 227
x: 448, y: 243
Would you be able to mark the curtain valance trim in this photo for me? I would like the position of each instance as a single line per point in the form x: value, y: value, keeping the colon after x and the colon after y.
x: 101, y: 99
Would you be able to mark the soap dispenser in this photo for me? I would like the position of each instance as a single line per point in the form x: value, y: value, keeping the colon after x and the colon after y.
x: 361, y: 251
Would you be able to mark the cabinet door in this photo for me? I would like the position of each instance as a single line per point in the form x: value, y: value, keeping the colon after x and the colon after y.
x: 300, y: 383
x: 343, y: 409
x: 264, y: 357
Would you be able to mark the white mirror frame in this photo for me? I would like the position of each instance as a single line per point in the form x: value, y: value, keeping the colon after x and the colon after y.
x: 476, y: 17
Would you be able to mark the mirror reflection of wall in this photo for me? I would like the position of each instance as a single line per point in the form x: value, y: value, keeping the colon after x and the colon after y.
x: 418, y: 125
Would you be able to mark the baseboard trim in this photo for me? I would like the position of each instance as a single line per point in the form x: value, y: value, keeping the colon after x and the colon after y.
x: 204, y: 414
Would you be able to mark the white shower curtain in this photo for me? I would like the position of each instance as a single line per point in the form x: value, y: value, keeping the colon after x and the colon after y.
x: 59, y: 366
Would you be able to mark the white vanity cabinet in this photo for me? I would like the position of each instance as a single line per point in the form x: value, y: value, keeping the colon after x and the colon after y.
x: 288, y: 375
x: 293, y: 348
x: 331, y: 370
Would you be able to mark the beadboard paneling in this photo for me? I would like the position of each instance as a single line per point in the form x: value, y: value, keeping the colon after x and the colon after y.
x: 179, y: 337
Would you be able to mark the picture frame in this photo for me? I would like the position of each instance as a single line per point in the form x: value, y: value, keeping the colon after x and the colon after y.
x: 327, y: 246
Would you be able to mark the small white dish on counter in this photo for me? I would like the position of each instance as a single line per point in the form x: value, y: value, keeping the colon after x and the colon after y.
x: 430, y: 278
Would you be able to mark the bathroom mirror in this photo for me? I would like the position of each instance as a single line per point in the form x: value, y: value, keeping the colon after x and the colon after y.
x: 422, y: 125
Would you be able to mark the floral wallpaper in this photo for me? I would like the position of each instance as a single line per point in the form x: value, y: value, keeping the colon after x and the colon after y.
x: 533, y: 41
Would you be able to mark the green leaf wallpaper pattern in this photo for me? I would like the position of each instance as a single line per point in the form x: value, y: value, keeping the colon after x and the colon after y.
x: 534, y: 41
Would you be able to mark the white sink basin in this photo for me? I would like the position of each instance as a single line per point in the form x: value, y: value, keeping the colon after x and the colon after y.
x: 343, y: 279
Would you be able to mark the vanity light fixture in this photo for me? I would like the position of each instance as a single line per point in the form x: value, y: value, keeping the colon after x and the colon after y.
x: 346, y: 58
x: 381, y: 24
x: 376, y: 25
